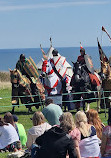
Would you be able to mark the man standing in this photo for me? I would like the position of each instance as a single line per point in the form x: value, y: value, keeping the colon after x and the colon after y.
x: 52, y: 112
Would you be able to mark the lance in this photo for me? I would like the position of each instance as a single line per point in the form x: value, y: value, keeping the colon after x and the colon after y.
x: 50, y: 42
x: 103, y: 29
x: 42, y: 50
x: 44, y: 54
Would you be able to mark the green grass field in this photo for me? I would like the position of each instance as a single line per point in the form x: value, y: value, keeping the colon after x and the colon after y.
x: 22, y: 112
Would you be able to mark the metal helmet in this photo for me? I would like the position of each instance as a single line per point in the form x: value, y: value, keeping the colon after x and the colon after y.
x: 22, y: 57
x: 55, y: 52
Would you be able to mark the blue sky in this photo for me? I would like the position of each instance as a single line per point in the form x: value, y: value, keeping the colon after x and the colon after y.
x: 29, y: 23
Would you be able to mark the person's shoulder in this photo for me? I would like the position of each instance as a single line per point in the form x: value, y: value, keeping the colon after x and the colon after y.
x: 32, y: 129
x: 52, y: 105
x: 19, y: 125
x: 106, y: 128
x: 47, y: 125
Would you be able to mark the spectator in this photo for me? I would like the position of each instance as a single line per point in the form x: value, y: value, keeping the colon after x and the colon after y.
x: 74, y: 133
x: 55, y: 143
x: 21, y: 131
x: 8, y: 118
x: 106, y: 138
x: 8, y: 137
x: 94, y: 119
x: 39, y: 127
x: 89, y: 145
x: 52, y: 112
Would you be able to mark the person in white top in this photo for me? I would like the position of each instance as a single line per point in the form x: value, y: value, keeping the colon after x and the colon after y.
x: 89, y: 143
x: 39, y: 127
x: 8, y: 136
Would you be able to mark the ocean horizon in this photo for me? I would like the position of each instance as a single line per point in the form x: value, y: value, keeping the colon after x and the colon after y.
x: 9, y: 57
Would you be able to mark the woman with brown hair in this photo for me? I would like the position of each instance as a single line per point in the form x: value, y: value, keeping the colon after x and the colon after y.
x: 8, y: 137
x: 74, y: 132
x: 94, y: 119
x: 39, y: 127
x: 8, y: 117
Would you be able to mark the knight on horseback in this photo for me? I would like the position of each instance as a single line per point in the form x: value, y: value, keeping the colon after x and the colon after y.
x: 25, y: 83
x: 58, y: 63
x: 55, y: 65
x: 84, y: 79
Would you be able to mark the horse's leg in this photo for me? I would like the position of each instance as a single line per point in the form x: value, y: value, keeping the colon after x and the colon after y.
x: 88, y: 107
x: 84, y: 105
x: 98, y: 101
x: 37, y: 98
x: 25, y: 99
x: 13, y: 108
x: 99, y: 98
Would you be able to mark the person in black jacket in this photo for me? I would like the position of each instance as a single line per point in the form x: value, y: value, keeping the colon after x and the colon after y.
x: 56, y: 143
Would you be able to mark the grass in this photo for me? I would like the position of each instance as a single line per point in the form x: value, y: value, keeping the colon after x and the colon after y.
x: 22, y: 112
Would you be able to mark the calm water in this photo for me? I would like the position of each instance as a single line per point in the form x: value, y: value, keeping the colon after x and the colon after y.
x: 9, y: 57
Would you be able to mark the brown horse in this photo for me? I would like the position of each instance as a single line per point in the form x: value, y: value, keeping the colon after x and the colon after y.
x: 106, y: 76
x: 29, y: 93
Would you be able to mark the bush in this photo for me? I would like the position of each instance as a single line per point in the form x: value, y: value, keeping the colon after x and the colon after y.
x: 4, y: 76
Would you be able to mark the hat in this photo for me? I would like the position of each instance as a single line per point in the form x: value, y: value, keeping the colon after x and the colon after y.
x: 15, y: 118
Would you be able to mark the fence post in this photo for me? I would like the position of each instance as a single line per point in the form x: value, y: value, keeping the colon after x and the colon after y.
x: 104, y: 103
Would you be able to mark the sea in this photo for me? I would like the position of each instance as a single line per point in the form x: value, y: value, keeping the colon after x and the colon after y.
x: 9, y: 57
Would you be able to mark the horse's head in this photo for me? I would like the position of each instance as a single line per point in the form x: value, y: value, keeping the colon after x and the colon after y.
x: 14, y: 76
x: 106, y: 70
x: 46, y: 67
x: 76, y: 67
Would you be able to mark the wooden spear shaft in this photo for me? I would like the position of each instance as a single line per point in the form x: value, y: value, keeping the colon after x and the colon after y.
x: 103, y: 29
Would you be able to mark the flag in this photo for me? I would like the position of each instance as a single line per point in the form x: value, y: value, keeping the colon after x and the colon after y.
x: 102, y: 55
x: 81, y: 46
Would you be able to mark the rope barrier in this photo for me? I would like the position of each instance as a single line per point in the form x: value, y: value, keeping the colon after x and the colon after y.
x: 103, y: 97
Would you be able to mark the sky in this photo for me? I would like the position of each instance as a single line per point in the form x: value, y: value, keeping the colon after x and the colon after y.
x: 29, y: 23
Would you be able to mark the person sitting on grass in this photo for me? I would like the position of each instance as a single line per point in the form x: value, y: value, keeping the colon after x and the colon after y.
x: 94, y: 119
x: 89, y: 144
x: 39, y: 127
x: 74, y: 133
x: 106, y: 138
x: 56, y: 143
x: 21, y: 131
x: 8, y: 137
x: 8, y: 118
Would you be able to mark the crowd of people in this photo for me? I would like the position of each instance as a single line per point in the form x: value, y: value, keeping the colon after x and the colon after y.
x: 58, y: 135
